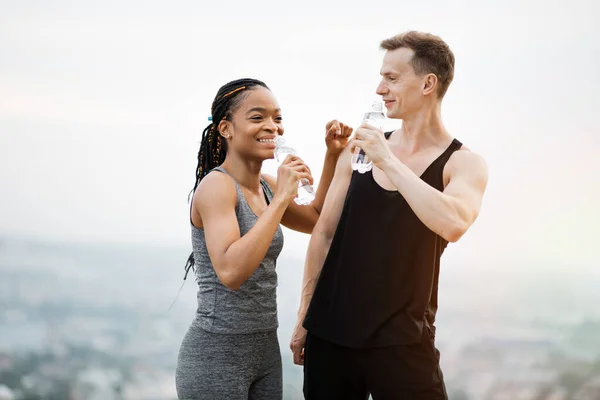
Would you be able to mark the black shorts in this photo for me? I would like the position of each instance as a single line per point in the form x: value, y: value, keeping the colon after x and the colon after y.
x: 410, y: 372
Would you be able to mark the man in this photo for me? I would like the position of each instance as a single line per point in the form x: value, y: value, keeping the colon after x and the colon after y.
x: 369, y: 294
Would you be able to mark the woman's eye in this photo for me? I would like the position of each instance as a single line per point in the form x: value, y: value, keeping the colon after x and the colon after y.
x: 256, y: 118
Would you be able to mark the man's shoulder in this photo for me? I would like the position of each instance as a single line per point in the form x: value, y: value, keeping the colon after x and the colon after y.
x: 465, y: 158
x: 466, y: 163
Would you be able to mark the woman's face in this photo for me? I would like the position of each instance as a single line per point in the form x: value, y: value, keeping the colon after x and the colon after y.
x: 254, y: 125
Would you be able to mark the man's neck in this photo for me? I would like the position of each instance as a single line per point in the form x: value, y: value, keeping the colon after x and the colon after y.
x: 423, y: 129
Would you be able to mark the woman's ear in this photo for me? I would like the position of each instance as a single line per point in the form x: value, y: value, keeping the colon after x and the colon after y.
x: 225, y: 128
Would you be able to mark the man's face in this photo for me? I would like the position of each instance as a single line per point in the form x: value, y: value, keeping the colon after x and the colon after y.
x: 400, y: 88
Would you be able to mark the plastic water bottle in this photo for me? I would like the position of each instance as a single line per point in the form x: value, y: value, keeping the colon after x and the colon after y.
x: 375, y: 118
x: 306, y: 193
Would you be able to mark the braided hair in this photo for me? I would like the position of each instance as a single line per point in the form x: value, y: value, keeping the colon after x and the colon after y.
x: 213, y: 147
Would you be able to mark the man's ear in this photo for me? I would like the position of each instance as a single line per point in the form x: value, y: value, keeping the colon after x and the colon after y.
x: 430, y: 83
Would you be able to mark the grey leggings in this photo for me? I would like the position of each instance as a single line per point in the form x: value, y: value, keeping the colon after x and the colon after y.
x: 213, y: 366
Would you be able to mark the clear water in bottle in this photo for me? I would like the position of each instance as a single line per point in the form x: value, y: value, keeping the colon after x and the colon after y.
x: 375, y: 118
x: 306, y: 192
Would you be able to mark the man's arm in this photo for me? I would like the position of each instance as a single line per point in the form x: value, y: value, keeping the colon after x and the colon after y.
x: 319, y: 245
x: 451, y: 212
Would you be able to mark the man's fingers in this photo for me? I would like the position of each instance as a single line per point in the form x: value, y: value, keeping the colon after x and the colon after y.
x: 299, y: 356
x: 356, y: 143
x: 360, y: 134
x: 365, y: 125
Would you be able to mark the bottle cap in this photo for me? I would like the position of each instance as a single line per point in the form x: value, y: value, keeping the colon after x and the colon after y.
x: 279, y: 140
x: 377, y: 105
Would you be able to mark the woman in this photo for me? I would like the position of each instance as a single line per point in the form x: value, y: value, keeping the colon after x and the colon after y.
x: 231, y: 350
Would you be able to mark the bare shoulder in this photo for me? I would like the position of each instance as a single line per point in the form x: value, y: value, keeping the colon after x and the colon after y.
x: 215, y: 188
x: 271, y: 180
x: 465, y: 160
x: 468, y: 167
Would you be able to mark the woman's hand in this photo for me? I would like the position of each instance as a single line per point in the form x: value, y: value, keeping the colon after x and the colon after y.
x: 337, y: 136
x: 289, y: 174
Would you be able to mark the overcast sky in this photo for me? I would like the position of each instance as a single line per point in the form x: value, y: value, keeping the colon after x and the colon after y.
x: 102, y: 105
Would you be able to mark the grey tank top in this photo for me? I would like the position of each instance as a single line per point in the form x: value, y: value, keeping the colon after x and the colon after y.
x: 252, y: 308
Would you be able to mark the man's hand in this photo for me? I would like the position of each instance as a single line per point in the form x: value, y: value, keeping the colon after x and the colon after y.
x: 298, y: 342
x: 337, y: 136
x: 372, y: 141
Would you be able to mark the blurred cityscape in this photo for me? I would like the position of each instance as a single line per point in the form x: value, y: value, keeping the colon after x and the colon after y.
x: 96, y: 323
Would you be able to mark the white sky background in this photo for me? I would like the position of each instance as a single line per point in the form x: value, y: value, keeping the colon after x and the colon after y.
x: 102, y: 105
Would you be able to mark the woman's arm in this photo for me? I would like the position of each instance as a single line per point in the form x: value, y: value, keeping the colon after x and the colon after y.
x: 302, y: 218
x: 235, y: 257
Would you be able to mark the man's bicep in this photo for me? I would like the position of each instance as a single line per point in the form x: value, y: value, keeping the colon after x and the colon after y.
x: 468, y: 182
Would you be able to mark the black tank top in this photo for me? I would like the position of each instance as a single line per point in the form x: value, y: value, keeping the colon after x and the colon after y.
x: 378, y: 286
